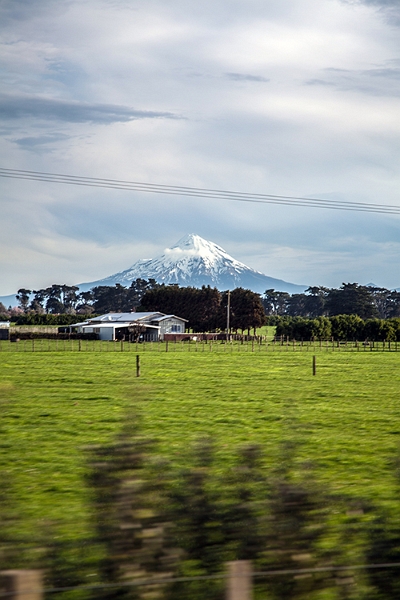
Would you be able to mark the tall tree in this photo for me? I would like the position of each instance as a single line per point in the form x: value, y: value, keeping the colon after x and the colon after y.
x: 23, y: 296
x: 393, y: 304
x: 85, y: 303
x: 54, y: 304
x: 275, y: 303
x: 109, y: 298
x: 247, y: 310
x: 137, y: 290
x: 69, y: 298
x: 352, y: 299
x: 315, y: 303
x: 38, y: 301
x: 296, y: 306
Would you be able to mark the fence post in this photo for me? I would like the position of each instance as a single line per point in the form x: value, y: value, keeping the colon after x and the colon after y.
x: 314, y: 365
x: 22, y: 584
x: 239, y: 583
x: 137, y: 365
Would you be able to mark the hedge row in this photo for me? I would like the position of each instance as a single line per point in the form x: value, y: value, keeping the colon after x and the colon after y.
x: 37, y: 335
x: 340, y: 327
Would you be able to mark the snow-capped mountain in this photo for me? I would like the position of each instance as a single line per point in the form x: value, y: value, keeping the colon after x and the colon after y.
x: 194, y: 261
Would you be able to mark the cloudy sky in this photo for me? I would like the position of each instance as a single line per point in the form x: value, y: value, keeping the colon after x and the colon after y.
x: 293, y: 97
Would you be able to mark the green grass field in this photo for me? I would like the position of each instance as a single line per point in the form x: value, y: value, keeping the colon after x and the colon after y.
x: 346, y: 418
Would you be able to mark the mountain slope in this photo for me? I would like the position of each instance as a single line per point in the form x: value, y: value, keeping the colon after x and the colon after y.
x: 194, y: 261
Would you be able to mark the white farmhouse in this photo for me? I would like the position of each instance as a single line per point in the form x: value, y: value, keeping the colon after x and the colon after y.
x: 150, y: 326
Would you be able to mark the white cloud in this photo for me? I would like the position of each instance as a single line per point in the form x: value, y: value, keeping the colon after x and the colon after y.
x: 96, y: 88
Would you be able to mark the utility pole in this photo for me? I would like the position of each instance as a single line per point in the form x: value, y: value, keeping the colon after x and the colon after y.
x: 228, y: 315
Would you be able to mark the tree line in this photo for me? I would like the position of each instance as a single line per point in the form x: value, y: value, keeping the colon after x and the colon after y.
x: 339, y: 327
x: 368, y: 302
x: 65, y: 299
x: 206, y: 308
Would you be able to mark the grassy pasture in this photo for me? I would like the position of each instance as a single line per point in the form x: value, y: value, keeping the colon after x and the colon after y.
x: 347, y: 418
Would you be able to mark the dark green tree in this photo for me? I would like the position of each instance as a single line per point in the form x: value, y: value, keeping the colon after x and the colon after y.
x: 296, y: 306
x: 69, y: 298
x: 23, y: 297
x: 38, y: 301
x: 352, y: 299
x: 117, y: 298
x: 54, y: 304
x: 393, y: 304
x: 347, y: 327
x: 315, y: 303
x: 275, y: 303
x: 247, y: 310
x: 137, y: 290
x: 84, y: 304
x: 110, y: 298
x: 199, y: 306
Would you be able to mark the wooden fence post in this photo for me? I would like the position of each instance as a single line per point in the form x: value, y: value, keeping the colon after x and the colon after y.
x: 138, y: 365
x: 314, y: 365
x: 22, y: 584
x: 239, y: 583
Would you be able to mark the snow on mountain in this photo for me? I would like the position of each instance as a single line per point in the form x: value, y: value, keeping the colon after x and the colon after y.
x: 194, y: 261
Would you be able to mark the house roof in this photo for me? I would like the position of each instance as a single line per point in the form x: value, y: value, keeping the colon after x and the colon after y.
x: 114, y: 325
x: 163, y: 317
x: 126, y: 317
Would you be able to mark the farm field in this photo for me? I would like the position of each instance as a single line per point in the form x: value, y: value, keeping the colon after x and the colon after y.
x: 53, y: 404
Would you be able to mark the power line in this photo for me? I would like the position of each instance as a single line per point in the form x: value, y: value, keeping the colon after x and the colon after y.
x: 197, y: 192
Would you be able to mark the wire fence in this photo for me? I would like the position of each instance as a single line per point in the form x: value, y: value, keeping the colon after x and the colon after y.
x: 231, y: 574
x: 222, y: 346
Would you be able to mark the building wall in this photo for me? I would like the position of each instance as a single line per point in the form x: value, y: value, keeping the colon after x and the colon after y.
x: 173, y: 325
x: 105, y: 333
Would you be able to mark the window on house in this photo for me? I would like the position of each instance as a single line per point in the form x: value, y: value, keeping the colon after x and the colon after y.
x: 175, y: 328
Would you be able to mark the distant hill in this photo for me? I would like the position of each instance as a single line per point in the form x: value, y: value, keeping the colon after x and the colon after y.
x: 194, y: 261
x: 9, y: 300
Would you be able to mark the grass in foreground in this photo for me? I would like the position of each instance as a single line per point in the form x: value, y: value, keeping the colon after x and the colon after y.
x: 347, y: 418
